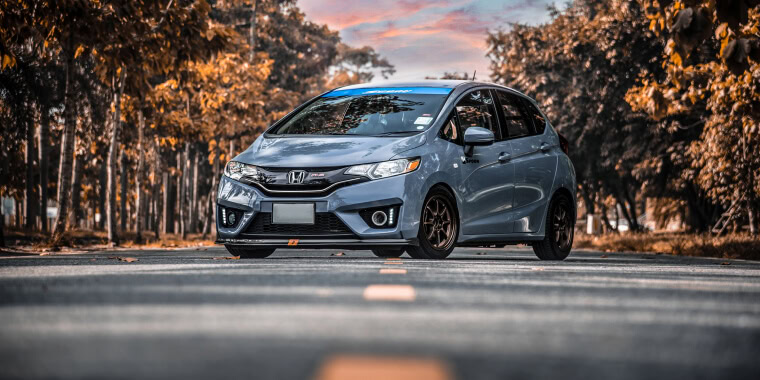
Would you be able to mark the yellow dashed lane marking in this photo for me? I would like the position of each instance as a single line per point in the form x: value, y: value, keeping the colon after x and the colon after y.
x: 389, y: 293
x: 392, y: 271
x: 352, y: 367
x: 393, y: 262
x: 394, y: 259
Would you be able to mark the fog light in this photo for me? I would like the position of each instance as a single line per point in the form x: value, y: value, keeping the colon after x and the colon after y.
x: 379, y: 218
x: 231, y: 219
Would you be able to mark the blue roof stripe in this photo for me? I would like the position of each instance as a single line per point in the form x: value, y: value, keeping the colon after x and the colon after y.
x: 389, y: 90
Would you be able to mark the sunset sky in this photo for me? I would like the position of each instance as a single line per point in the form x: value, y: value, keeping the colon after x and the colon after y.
x: 425, y: 37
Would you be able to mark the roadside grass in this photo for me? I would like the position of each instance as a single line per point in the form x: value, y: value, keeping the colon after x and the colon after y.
x: 683, y: 244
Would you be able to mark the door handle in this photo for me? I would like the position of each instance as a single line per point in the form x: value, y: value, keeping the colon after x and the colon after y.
x: 544, y: 147
x: 504, y: 157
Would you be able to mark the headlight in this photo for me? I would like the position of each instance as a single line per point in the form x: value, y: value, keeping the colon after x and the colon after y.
x: 237, y: 170
x: 385, y: 169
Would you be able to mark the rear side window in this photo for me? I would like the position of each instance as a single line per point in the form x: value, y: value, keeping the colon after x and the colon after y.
x: 516, y: 123
x: 539, y: 122
x: 477, y: 109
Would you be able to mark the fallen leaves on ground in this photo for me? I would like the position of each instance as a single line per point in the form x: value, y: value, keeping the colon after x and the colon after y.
x: 124, y: 259
x: 227, y: 258
x: 604, y: 256
x: 481, y: 253
x: 725, y: 263
x: 338, y: 254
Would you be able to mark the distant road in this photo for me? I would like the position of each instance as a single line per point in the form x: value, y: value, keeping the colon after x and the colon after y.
x: 502, y: 315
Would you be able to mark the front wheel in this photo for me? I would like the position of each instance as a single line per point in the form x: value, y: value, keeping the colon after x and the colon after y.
x: 388, y: 252
x: 439, y: 226
x: 560, y: 228
x: 249, y: 253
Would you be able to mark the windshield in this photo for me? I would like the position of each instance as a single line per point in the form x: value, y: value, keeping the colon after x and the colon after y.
x: 367, y: 112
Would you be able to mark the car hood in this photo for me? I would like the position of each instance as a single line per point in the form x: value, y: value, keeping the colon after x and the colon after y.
x: 316, y: 151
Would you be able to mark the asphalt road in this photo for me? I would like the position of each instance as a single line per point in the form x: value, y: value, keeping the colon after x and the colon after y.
x: 481, y: 314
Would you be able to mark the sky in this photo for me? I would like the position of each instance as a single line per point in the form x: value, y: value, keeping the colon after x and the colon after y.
x: 425, y: 37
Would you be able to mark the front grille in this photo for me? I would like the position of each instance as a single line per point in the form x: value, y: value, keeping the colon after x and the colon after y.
x: 309, y: 170
x: 325, y: 224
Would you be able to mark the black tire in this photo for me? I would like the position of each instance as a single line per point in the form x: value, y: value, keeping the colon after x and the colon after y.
x: 560, y: 230
x: 438, y: 248
x: 393, y: 252
x: 248, y: 253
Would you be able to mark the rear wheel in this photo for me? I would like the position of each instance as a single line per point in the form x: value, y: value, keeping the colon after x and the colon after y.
x: 249, y: 253
x: 388, y: 252
x: 439, y: 227
x: 560, y: 228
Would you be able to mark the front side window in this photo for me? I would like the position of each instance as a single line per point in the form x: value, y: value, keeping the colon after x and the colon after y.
x: 366, y: 113
x: 477, y: 109
x: 517, y: 124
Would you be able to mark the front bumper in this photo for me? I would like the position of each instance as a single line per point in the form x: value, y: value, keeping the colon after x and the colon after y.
x: 321, y: 243
x: 344, y: 203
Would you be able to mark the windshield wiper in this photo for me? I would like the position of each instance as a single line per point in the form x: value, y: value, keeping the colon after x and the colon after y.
x: 397, y: 133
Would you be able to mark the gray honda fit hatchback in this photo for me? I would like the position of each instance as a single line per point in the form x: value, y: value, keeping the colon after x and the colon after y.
x: 403, y: 167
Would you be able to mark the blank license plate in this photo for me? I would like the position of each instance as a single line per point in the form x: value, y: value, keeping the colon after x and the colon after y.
x: 293, y: 213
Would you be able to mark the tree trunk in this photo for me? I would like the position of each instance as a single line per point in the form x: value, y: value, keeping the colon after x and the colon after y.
x: 165, y: 213
x: 156, y: 187
x: 139, y: 174
x: 76, y: 191
x: 252, y: 33
x: 113, y: 236
x: 194, y: 188
x: 630, y: 203
x: 30, y: 199
x: 123, y: 190
x: 44, y: 144
x: 18, y: 213
x: 102, y: 182
x: 181, y: 191
x: 67, y: 147
x: 2, y: 223
x: 211, y: 210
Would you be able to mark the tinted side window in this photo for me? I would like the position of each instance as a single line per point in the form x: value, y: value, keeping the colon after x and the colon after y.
x: 477, y: 109
x: 516, y: 123
x: 450, y: 131
x: 539, y: 122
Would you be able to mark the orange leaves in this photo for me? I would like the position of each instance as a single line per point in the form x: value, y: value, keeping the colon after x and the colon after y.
x: 8, y: 61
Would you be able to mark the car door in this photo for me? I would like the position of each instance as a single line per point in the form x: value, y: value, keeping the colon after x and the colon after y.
x: 534, y: 162
x: 487, y: 178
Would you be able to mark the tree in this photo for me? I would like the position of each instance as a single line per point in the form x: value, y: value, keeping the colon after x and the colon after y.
x: 579, y: 66
x: 712, y: 58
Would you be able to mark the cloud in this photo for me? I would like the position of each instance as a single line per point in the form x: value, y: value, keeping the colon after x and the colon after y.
x: 425, y: 37
x: 341, y: 14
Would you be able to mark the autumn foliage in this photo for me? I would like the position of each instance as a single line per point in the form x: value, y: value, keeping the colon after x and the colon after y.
x: 125, y: 111
x: 658, y: 98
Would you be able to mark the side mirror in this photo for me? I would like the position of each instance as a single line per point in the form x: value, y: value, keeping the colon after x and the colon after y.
x: 476, y: 136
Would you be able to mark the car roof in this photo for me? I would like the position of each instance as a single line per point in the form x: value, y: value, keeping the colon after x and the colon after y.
x: 439, y: 83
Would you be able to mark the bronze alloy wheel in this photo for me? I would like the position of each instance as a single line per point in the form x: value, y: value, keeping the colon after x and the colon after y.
x: 438, y: 223
x: 563, y: 227
x: 560, y: 226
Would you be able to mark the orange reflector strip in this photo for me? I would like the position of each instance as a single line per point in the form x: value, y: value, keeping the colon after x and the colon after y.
x: 389, y: 293
x: 293, y: 242
x: 353, y: 367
